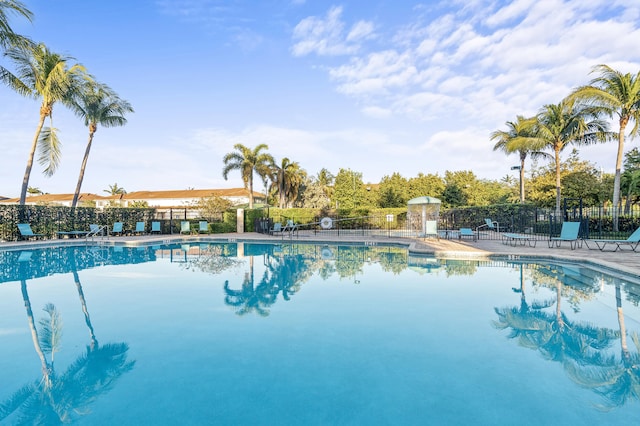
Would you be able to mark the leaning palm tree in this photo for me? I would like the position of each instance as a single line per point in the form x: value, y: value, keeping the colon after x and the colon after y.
x: 614, y: 94
x: 558, y: 126
x: 46, y: 75
x: 247, y: 161
x: 518, y: 129
x: 97, y: 104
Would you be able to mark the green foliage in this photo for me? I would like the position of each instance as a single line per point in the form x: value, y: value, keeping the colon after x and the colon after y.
x: 393, y: 191
x: 579, y: 179
x: 213, y: 207
x: 139, y: 204
x: 453, y: 196
x: 349, y: 190
x: 426, y: 185
x: 298, y: 215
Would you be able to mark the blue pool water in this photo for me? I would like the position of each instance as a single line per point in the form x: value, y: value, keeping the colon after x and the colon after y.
x: 245, y: 333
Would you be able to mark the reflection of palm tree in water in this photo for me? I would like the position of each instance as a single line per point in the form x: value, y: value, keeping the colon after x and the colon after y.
x: 619, y: 382
x: 250, y: 298
x: 58, y: 398
x: 87, y: 318
x: 287, y: 274
x: 581, y: 348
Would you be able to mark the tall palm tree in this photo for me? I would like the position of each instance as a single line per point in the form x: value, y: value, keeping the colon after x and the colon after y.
x: 46, y: 75
x: 505, y: 143
x: 97, y: 104
x: 614, y: 94
x: 247, y: 161
x: 288, y: 177
x: 558, y: 126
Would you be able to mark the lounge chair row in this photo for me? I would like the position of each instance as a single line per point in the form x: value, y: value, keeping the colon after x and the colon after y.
x: 118, y: 229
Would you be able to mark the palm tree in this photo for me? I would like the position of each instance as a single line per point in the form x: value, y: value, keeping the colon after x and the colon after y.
x: 614, y: 94
x: 520, y: 128
x: 7, y: 36
x: 559, y: 125
x: 43, y: 74
x: 97, y: 104
x: 288, y: 177
x: 115, y: 189
x: 247, y: 161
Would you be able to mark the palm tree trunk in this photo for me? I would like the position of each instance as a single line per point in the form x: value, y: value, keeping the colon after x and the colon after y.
x: 85, y: 310
x: 521, y: 180
x: 251, y: 191
x: 82, y: 167
x: 623, y: 329
x: 46, y: 370
x: 281, y: 192
x: 558, y: 193
x: 616, y: 179
x: 27, y: 172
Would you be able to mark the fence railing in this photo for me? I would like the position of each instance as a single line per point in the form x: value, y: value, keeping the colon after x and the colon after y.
x: 597, y: 222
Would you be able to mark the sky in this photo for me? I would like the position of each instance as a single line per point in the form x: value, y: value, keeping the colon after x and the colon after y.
x: 376, y: 86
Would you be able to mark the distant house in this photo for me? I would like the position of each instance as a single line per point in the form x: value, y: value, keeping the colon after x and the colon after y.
x: 237, y: 196
x: 60, y: 199
x: 158, y: 199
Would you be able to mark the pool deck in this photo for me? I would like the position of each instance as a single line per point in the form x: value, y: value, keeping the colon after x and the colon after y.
x: 624, y: 260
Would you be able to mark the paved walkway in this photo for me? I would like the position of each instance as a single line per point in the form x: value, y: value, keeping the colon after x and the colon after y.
x: 624, y: 260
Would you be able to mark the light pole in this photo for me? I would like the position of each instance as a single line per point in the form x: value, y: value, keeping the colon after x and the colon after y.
x: 519, y: 168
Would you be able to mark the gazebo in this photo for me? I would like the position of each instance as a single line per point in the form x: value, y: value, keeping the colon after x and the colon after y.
x: 420, y: 210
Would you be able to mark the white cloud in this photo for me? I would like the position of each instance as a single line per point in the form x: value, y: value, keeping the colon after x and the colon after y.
x: 327, y: 36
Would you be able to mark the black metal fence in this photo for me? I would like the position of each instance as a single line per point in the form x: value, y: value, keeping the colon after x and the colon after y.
x: 540, y: 223
x: 597, y: 222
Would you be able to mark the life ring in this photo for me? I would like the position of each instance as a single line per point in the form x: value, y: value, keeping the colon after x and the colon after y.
x: 326, y: 253
x: 326, y: 223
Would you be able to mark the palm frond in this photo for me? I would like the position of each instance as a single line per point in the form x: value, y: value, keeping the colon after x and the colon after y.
x: 49, y: 150
x: 16, y: 400
x: 50, y: 330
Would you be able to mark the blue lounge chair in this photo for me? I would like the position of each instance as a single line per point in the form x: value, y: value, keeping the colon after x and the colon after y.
x: 203, y: 227
x: 140, y: 228
x: 467, y: 232
x: 491, y: 225
x: 277, y: 227
x: 568, y: 233
x: 26, y: 232
x: 185, y: 227
x: 633, y: 241
x: 72, y: 234
x: 155, y: 227
x: 117, y: 228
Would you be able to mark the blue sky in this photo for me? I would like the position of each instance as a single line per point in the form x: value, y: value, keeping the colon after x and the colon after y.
x: 375, y: 86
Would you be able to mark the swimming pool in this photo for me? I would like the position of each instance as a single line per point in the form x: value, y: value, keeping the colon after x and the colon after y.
x: 246, y: 333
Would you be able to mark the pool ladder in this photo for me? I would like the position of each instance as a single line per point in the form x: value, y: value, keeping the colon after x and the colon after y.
x: 101, y: 230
